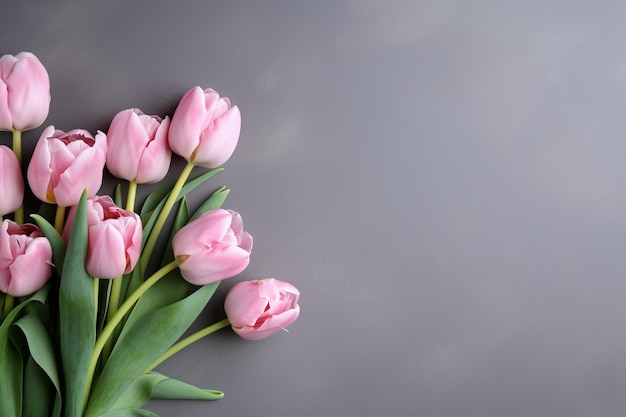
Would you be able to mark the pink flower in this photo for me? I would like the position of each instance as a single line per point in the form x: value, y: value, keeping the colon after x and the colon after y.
x: 212, y: 247
x: 137, y: 147
x: 25, y: 258
x: 114, y: 236
x: 258, y: 309
x: 205, y: 128
x: 64, y: 164
x: 24, y: 92
x: 11, y: 182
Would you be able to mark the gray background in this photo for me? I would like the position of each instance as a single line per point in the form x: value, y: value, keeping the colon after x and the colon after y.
x: 443, y: 180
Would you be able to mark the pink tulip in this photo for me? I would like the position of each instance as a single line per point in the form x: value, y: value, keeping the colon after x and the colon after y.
x: 11, y: 182
x: 205, y: 128
x: 25, y: 258
x: 258, y: 309
x: 64, y: 164
x: 137, y: 147
x: 212, y: 247
x: 24, y: 92
x: 114, y: 236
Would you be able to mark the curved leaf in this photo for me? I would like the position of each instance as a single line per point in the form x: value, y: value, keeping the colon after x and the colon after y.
x: 215, y: 201
x: 11, y: 360
x: 158, y: 386
x: 77, y: 315
x: 142, y: 344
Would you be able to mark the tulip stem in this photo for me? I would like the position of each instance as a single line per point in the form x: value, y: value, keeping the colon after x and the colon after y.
x: 96, y: 291
x: 9, y: 301
x: 117, y: 318
x: 132, y: 195
x: 59, y: 219
x: 180, y: 345
x: 114, y: 301
x: 160, y: 222
x: 17, y: 150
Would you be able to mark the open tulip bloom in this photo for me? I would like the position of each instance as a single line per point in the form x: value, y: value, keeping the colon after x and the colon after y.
x: 90, y: 305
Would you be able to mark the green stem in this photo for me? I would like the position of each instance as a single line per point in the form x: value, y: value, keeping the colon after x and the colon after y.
x: 96, y: 290
x: 9, y: 301
x: 59, y: 219
x: 160, y: 222
x: 116, y: 291
x: 17, y: 150
x: 188, y: 341
x: 132, y: 195
x: 117, y: 318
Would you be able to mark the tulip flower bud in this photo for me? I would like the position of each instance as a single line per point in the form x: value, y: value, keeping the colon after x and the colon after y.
x: 212, y: 247
x: 11, y: 182
x: 137, y: 147
x: 24, y: 92
x: 114, y: 237
x: 25, y: 259
x: 258, y: 309
x: 65, y: 164
x: 205, y: 128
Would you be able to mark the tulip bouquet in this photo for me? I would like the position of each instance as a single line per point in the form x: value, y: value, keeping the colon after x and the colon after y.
x: 90, y: 304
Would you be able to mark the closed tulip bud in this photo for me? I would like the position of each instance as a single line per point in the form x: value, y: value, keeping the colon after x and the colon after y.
x: 137, y: 147
x: 24, y: 92
x: 205, y: 128
x: 65, y: 164
x: 114, y: 237
x: 258, y: 309
x: 25, y: 259
x: 212, y: 247
x: 11, y: 182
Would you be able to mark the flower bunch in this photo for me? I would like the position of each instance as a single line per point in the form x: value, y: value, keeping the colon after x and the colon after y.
x: 89, y: 306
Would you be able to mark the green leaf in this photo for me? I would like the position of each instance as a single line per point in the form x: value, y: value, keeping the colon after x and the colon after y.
x: 77, y: 315
x: 158, y: 386
x: 117, y: 196
x: 56, y: 241
x: 160, y: 194
x: 38, y: 391
x: 40, y: 347
x: 171, y: 389
x: 11, y: 360
x: 168, y: 289
x: 129, y: 412
x: 215, y: 201
x: 10, y: 378
x: 143, y: 344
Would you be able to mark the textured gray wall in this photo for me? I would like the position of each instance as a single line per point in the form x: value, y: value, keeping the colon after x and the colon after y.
x: 444, y: 181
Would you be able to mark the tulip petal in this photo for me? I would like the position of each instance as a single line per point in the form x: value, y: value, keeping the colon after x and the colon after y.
x: 106, y: 257
x: 219, y: 140
x: 187, y: 123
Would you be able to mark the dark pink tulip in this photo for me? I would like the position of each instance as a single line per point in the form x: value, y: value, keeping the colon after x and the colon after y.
x: 205, y: 128
x: 137, y: 147
x: 25, y: 259
x: 11, y: 182
x: 114, y: 236
x: 258, y: 309
x: 24, y: 92
x: 212, y: 247
x: 64, y: 164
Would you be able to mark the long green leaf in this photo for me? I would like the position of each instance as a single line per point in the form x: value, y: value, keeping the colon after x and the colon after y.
x: 11, y: 360
x: 40, y: 347
x: 129, y: 412
x: 160, y: 194
x: 215, y: 201
x: 171, y: 389
x: 56, y: 241
x: 158, y: 386
x: 38, y: 391
x: 144, y: 343
x: 77, y: 315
